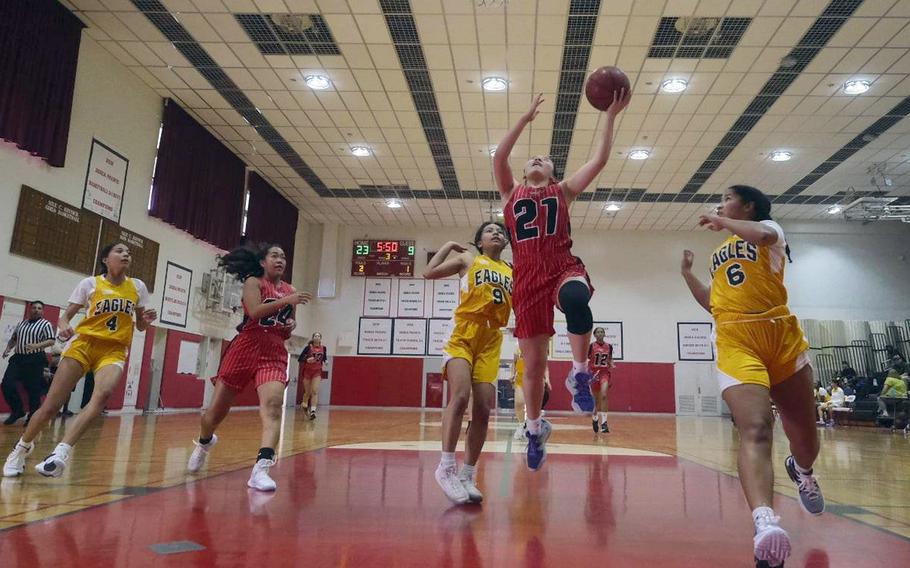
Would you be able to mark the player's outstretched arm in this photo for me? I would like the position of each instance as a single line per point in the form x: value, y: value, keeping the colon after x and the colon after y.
x: 502, y: 171
x: 700, y: 292
x: 575, y: 184
x: 440, y: 266
x: 755, y: 232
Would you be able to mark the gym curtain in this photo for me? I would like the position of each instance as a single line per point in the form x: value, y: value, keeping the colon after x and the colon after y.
x: 271, y: 219
x: 198, y: 184
x: 39, y: 48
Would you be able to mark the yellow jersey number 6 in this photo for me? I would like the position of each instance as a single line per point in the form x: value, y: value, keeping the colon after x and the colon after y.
x: 735, y: 274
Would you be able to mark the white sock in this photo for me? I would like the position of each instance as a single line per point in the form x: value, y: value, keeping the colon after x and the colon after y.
x: 801, y: 470
x: 534, y: 425
x: 447, y: 460
x: 761, y: 512
x: 468, y: 470
x: 579, y: 366
x: 24, y: 443
x: 594, y: 417
x: 603, y: 417
x: 63, y: 448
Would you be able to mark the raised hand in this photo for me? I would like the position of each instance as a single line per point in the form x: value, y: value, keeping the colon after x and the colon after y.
x: 456, y: 246
x: 620, y: 101
x: 687, y: 259
x: 532, y: 112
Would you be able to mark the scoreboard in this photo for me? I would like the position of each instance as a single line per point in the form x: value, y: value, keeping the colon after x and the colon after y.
x: 383, y: 258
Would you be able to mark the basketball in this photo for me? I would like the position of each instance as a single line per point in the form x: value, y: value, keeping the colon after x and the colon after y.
x: 601, y: 85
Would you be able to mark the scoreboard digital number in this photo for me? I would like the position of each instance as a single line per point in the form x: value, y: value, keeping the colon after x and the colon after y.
x: 383, y: 258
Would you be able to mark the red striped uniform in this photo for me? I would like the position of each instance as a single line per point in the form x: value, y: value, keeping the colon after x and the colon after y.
x: 258, y: 354
x: 599, y: 356
x: 541, y: 241
x: 314, y: 369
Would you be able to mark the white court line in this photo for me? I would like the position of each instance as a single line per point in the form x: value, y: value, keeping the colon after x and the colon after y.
x: 501, y: 447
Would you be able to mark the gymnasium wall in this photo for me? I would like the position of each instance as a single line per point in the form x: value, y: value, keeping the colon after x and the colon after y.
x: 117, y: 108
x: 114, y: 106
x: 840, y: 271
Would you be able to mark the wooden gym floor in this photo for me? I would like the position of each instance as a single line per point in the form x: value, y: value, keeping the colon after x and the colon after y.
x: 356, y: 489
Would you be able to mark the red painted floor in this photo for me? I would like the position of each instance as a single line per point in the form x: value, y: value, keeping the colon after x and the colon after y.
x: 364, y: 508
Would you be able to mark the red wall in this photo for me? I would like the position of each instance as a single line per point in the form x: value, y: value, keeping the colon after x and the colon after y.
x: 145, y: 373
x: 434, y: 390
x: 179, y: 390
x: 643, y: 387
x: 377, y: 381
x: 396, y: 381
x: 635, y: 387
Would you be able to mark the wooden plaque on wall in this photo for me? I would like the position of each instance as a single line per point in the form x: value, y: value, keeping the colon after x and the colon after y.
x: 55, y: 232
x: 143, y: 250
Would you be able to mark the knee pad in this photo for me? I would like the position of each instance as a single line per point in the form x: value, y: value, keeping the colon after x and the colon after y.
x: 573, y: 301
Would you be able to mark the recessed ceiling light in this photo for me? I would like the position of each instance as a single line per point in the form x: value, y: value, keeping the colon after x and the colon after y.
x: 318, y: 82
x: 834, y: 210
x: 393, y: 204
x: 494, y: 84
x: 781, y: 156
x: 674, y: 85
x: 856, y: 87
x: 360, y: 151
x: 613, y: 206
x: 639, y: 154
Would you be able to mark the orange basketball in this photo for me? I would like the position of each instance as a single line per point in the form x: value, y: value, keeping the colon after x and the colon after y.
x: 601, y: 85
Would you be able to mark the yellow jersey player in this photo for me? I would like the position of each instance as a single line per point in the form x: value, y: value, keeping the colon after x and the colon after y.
x: 99, y: 344
x: 761, y: 356
x: 471, y: 355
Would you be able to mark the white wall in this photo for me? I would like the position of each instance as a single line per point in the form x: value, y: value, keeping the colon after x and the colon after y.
x: 839, y: 272
x: 114, y: 106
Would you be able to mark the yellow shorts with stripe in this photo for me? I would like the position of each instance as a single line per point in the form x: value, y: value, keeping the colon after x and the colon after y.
x: 94, y: 353
x: 477, y: 344
x: 759, y: 349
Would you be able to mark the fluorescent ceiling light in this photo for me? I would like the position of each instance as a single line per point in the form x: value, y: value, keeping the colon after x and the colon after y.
x: 674, y: 85
x: 318, y: 82
x: 856, y: 87
x: 494, y: 84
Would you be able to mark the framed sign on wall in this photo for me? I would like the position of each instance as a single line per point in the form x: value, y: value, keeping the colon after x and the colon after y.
x: 694, y: 341
x: 175, y: 299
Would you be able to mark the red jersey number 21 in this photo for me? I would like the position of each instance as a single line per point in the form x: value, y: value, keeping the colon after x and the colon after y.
x: 526, y: 217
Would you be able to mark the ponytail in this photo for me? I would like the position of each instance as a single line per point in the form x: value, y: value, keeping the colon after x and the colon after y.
x: 245, y: 261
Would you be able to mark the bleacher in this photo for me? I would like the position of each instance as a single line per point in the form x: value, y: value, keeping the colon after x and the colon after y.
x: 863, y: 345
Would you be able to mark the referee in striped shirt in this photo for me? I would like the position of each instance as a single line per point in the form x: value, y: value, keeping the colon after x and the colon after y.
x: 30, y: 338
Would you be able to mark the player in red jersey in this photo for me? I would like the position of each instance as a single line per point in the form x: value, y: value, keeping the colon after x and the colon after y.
x: 547, y: 275
x: 257, y: 355
x: 600, y: 360
x: 313, y: 358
